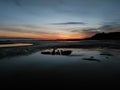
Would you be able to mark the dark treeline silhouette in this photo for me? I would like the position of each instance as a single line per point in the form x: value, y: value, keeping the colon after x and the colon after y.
x: 106, y: 36
x: 98, y: 36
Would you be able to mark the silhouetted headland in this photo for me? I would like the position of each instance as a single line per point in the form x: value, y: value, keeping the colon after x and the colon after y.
x: 98, y: 36
x: 106, y: 36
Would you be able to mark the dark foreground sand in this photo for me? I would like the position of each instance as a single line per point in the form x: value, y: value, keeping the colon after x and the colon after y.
x: 91, y: 63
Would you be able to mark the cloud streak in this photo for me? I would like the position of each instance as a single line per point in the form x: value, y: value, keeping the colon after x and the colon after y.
x: 17, y: 2
x: 110, y: 27
x: 85, y: 31
x: 107, y: 27
x: 21, y: 4
x: 69, y: 23
x: 26, y: 29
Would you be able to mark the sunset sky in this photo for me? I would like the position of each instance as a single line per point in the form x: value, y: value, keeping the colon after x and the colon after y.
x: 58, y: 19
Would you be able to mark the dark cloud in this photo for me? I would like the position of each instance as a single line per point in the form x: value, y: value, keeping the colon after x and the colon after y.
x: 106, y: 27
x: 88, y: 30
x: 109, y: 27
x: 69, y: 23
x: 26, y: 29
x: 61, y: 2
x: 18, y: 3
x: 32, y: 26
x: 22, y: 6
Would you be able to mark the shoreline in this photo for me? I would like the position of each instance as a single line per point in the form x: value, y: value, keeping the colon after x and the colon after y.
x: 29, y: 49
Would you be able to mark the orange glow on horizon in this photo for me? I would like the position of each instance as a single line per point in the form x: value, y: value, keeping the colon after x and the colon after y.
x: 42, y: 36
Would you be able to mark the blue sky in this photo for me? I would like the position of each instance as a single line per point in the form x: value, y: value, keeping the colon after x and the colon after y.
x: 66, y: 17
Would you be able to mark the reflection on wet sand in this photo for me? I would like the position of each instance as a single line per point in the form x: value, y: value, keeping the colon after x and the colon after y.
x: 6, y: 52
x: 82, y: 65
x: 73, y: 55
x: 66, y: 52
x: 15, y: 45
x: 91, y: 59
x: 84, y: 54
x: 106, y: 54
x: 71, y: 49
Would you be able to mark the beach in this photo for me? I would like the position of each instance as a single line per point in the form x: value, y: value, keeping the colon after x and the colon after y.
x: 25, y: 65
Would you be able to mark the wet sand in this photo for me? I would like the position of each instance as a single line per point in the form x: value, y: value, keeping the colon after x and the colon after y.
x: 26, y: 67
x: 15, y: 45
